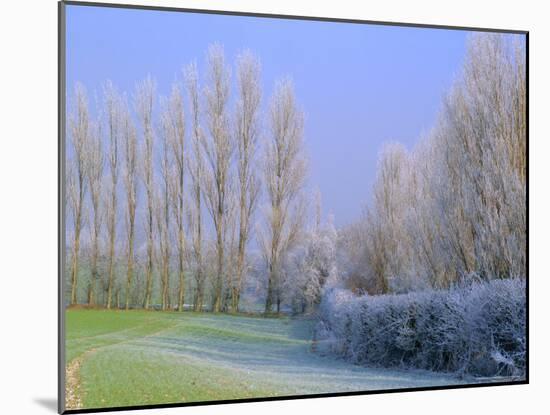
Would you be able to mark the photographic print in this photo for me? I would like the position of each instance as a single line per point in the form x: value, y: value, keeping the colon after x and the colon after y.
x: 261, y: 207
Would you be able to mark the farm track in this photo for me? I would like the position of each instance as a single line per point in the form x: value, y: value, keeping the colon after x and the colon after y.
x: 73, y: 386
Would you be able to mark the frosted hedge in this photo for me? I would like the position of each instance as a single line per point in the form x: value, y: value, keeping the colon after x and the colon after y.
x: 478, y: 328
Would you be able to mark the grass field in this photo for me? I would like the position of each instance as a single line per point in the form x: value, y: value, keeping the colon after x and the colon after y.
x: 119, y: 358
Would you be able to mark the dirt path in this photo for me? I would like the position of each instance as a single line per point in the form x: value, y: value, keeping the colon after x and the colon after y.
x: 73, y: 387
x: 73, y: 391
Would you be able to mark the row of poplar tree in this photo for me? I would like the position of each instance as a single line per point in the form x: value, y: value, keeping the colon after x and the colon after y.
x: 164, y: 191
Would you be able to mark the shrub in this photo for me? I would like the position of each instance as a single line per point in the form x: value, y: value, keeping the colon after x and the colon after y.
x: 476, y: 328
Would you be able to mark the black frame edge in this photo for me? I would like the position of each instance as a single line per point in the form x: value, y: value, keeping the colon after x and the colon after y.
x: 61, y: 94
x: 290, y: 17
x: 293, y: 397
x: 527, y: 361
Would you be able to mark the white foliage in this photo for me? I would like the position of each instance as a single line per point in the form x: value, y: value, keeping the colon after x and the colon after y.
x: 455, y: 204
x: 474, y: 327
x: 310, y: 267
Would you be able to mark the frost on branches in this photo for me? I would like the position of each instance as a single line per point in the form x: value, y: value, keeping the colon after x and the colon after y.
x: 310, y: 267
x: 473, y: 328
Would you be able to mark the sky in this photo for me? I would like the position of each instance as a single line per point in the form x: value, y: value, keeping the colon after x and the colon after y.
x: 359, y: 85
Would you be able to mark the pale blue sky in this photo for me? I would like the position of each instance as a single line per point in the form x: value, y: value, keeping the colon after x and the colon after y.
x: 359, y: 85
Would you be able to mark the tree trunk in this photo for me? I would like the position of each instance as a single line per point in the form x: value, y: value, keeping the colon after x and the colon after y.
x: 198, y: 292
x: 181, y: 266
x: 130, y: 269
x: 111, y: 272
x: 217, y: 300
x: 181, y: 292
x: 148, y: 283
x: 269, y: 298
x: 236, y: 289
x: 74, y: 271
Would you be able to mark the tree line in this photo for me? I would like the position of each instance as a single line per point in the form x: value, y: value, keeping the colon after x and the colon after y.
x: 166, y: 195
x: 165, y: 191
x: 455, y: 205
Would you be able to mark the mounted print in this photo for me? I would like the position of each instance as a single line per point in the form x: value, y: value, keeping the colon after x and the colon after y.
x: 258, y: 207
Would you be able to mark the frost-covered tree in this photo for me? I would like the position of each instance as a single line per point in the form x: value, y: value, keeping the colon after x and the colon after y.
x: 469, y: 200
x: 482, y: 139
x: 95, y: 165
x: 284, y: 174
x: 163, y: 215
x: 455, y: 204
x: 195, y: 163
x: 143, y: 102
x: 77, y: 185
x: 173, y: 127
x: 247, y: 135
x: 113, y: 119
x: 218, y: 150
x: 311, y: 266
x: 130, y: 180
x: 384, y: 218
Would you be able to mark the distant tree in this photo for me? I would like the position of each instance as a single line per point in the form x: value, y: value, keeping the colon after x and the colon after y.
x: 130, y: 189
x: 144, y: 96
x: 312, y: 264
x: 171, y: 132
x: 95, y: 168
x: 284, y: 176
x: 247, y: 134
x: 196, y: 171
x: 218, y: 150
x: 77, y: 186
x: 113, y: 114
x: 173, y: 126
x: 422, y: 222
x: 353, y: 269
x: 384, y: 219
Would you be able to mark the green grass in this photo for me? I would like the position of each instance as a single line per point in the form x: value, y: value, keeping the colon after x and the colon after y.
x: 91, y: 329
x: 215, y: 333
x: 138, y: 358
x: 144, y: 377
x: 126, y: 366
